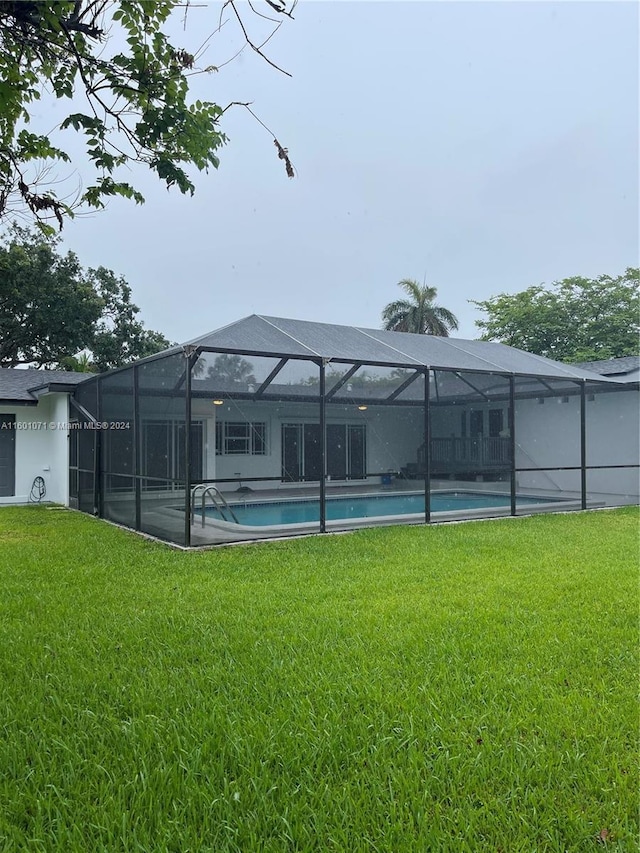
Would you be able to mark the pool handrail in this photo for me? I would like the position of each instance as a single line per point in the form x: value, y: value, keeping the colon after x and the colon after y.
x: 217, y: 499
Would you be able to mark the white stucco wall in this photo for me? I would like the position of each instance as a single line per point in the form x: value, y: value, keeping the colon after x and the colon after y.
x: 546, y: 435
x: 549, y: 435
x: 393, y: 435
x: 41, y: 451
x: 613, y: 438
x: 446, y: 421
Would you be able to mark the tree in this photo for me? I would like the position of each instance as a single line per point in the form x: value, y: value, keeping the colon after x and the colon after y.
x: 231, y: 369
x: 118, y: 337
x: 418, y: 314
x: 81, y: 363
x: 135, y: 98
x: 576, y: 319
x: 51, y: 309
x: 48, y: 307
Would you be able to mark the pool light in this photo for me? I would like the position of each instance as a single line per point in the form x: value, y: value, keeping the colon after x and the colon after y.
x: 362, y: 408
x: 218, y: 402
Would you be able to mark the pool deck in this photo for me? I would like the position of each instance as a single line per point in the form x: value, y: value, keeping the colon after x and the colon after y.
x: 304, y: 491
x: 219, y: 532
x: 163, y: 512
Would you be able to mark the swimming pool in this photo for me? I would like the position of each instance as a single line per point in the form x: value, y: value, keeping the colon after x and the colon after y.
x: 300, y: 511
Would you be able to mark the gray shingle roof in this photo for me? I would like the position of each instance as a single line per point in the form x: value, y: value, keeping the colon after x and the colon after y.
x: 16, y: 386
x: 262, y: 335
x: 612, y: 366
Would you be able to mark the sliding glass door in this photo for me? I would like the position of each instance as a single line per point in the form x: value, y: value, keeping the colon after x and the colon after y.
x: 302, y: 452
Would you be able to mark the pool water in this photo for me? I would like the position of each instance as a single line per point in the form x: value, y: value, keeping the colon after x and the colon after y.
x: 272, y: 513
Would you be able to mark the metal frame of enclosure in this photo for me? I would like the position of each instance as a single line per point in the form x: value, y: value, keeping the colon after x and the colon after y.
x: 307, y: 428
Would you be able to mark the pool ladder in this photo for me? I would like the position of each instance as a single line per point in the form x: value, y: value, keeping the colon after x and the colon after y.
x: 218, y: 500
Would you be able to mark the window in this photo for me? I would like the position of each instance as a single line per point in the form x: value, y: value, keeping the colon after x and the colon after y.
x: 241, y: 438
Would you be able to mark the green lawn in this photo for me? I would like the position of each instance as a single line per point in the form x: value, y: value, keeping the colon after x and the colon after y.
x: 467, y: 687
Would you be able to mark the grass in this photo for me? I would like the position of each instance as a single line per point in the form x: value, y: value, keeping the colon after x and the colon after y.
x: 454, y: 688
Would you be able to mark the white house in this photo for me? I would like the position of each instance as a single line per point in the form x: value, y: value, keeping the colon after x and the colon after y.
x: 278, y: 418
x: 34, y: 435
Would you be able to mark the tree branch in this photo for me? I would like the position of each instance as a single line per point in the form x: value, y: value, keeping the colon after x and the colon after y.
x: 250, y: 43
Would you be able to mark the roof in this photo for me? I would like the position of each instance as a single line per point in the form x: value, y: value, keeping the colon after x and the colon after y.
x: 280, y: 337
x: 613, y: 366
x: 25, y: 386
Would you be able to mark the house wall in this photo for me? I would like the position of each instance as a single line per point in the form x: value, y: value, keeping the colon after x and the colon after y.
x: 41, y: 451
x: 393, y: 435
x: 613, y: 438
x: 446, y: 421
x: 549, y: 435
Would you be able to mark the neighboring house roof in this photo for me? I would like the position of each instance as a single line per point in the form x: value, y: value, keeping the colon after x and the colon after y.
x: 25, y: 386
x: 627, y: 367
x: 277, y: 336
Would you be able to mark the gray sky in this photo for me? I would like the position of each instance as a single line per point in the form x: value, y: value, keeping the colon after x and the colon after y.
x: 490, y: 146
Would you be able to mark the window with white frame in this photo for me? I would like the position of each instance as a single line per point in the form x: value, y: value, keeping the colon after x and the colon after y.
x: 241, y: 438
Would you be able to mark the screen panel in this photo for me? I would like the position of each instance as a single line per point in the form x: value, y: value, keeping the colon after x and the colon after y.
x: 470, y: 446
x: 548, y: 441
x: 161, y: 443
x: 612, y: 445
x: 261, y: 441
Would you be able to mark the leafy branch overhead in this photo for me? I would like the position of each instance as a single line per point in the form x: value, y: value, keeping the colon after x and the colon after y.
x: 135, y: 105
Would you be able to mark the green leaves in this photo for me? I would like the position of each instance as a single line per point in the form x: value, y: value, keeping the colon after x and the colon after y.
x: 32, y: 146
x: 47, y: 305
x: 51, y: 308
x: 139, y: 109
x: 419, y: 313
x: 108, y: 187
x: 78, y: 121
x: 576, y: 319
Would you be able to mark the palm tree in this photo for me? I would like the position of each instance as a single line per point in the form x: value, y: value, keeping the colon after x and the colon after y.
x: 80, y: 363
x: 418, y: 314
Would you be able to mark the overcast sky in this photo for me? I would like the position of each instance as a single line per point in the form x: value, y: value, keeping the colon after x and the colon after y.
x: 488, y: 146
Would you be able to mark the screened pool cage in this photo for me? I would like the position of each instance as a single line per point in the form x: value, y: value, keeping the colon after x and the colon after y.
x: 274, y: 427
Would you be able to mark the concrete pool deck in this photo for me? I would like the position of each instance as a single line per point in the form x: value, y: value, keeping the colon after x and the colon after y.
x: 163, y: 513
